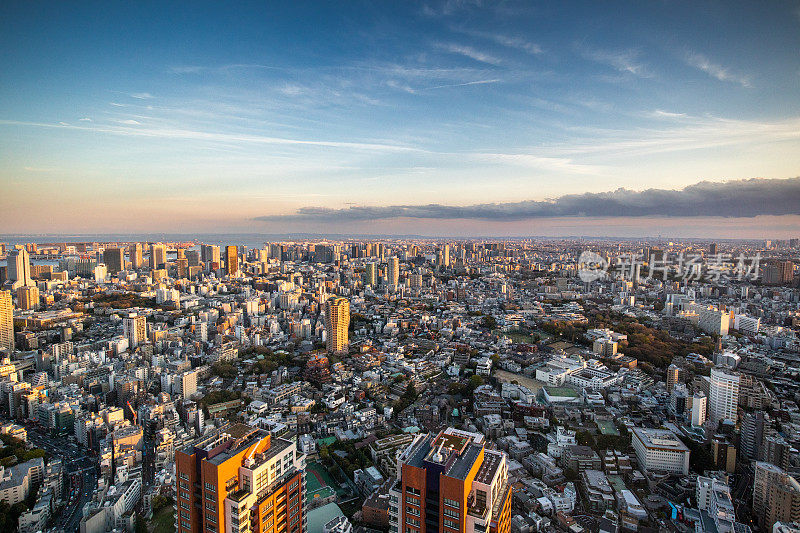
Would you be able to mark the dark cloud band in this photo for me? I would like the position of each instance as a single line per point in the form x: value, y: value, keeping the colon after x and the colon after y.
x: 741, y: 198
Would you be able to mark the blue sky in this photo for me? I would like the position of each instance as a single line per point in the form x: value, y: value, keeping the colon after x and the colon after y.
x: 203, y: 117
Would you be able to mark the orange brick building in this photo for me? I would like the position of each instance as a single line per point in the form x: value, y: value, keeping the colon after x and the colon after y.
x: 240, y: 479
x: 450, y: 483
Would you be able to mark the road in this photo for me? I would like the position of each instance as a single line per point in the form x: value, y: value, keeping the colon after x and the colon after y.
x: 80, y: 474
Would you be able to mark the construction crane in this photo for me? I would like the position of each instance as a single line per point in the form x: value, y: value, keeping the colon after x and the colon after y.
x: 135, y: 417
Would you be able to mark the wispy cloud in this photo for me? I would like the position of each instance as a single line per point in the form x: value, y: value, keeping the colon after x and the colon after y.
x: 625, y: 61
x: 470, y: 52
x: 740, y: 198
x: 477, y: 82
x: 659, y: 113
x: 130, y: 122
x: 167, y: 133
x: 505, y: 40
x: 141, y: 96
x: 715, y: 70
x: 85, y: 119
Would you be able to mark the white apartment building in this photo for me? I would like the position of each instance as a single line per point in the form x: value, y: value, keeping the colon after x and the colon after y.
x: 723, y: 395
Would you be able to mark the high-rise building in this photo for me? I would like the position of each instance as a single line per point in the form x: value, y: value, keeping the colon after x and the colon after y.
x: 712, y: 249
x: 393, y: 271
x: 135, y: 329
x: 18, y: 271
x: 135, y: 255
x: 449, y: 483
x: 714, y: 321
x: 752, y: 434
x: 209, y: 254
x: 776, y: 496
x: 158, y: 256
x: 723, y: 395
x: 28, y: 298
x: 232, y: 260
x: 114, y: 259
x: 240, y: 479
x: 777, y: 272
x: 337, y: 322
x: 371, y: 274
x: 673, y: 376
x: 699, y: 408
x: 6, y: 321
x: 193, y: 258
x: 187, y: 383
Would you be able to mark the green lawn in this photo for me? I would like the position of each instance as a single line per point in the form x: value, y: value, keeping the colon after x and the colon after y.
x: 164, y: 521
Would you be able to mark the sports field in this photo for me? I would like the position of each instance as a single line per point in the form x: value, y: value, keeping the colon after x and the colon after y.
x: 319, y: 482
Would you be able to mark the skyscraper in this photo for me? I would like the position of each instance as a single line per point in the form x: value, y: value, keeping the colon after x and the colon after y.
x: 135, y: 255
x: 232, y: 260
x: 393, y: 271
x: 723, y: 395
x: 337, y: 322
x: 777, y: 272
x: 18, y: 273
x: 114, y: 258
x: 776, y: 496
x: 158, y: 256
x: 28, y: 298
x: 209, y: 254
x: 450, y: 483
x: 6, y: 321
x: 135, y: 329
x: 240, y: 479
x: 371, y: 274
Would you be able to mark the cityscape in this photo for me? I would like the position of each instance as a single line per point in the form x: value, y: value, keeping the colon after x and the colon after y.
x: 420, y: 267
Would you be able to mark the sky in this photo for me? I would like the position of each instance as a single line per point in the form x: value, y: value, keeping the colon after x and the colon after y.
x: 451, y: 118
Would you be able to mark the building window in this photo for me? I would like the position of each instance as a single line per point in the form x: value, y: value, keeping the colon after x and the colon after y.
x: 412, y: 490
x: 412, y: 511
x: 451, y: 513
x: 412, y: 500
x: 412, y: 522
x: 453, y: 503
x: 211, y: 487
x: 451, y: 524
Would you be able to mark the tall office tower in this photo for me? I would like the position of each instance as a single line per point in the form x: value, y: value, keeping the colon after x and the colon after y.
x: 776, y: 496
x: 158, y: 256
x: 209, y: 254
x: 232, y: 260
x: 712, y: 249
x: 134, y: 328
x: 337, y: 322
x: 371, y: 274
x: 6, y: 321
x: 240, y: 479
x: 180, y: 253
x: 446, y: 255
x: 777, y: 272
x: 673, y: 375
x: 450, y: 483
x: 415, y: 281
x: 752, y: 434
x: 182, y: 266
x: 723, y: 395
x: 393, y: 271
x: 18, y: 272
x: 193, y: 258
x: 28, y: 298
x: 135, y: 255
x: 114, y: 258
